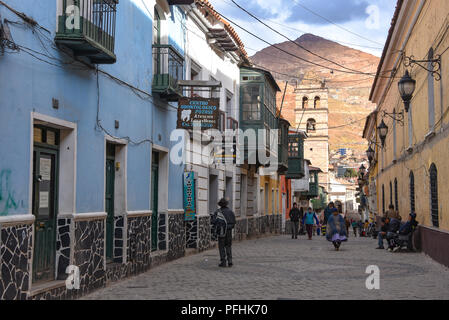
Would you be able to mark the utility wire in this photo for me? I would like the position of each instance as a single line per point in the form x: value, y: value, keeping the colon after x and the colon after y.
x: 293, y: 55
x: 335, y: 24
x: 296, y: 43
x: 305, y: 32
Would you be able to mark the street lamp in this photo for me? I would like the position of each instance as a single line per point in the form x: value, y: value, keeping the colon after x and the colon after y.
x: 370, y: 154
x: 407, y: 87
x: 383, y: 131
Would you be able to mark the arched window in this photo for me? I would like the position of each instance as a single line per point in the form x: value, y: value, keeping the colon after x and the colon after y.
x: 434, y: 195
x: 412, y: 191
x: 396, y: 201
x: 317, y: 102
x: 391, y: 193
x: 311, y: 125
x: 383, y: 199
x: 305, y: 102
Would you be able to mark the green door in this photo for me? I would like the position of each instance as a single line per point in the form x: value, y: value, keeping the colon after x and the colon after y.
x: 109, y: 200
x: 44, y: 203
x: 154, y: 198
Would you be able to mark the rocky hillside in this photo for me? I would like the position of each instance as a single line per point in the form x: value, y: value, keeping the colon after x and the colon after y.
x: 348, y: 93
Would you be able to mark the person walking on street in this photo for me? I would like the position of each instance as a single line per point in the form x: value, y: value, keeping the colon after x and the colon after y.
x: 223, y: 221
x: 348, y: 224
x: 301, y: 225
x: 309, y: 219
x: 294, y: 218
x: 336, y: 230
x: 354, y: 227
x: 330, y: 209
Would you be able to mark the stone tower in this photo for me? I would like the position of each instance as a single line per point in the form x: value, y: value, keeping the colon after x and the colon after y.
x: 312, y: 115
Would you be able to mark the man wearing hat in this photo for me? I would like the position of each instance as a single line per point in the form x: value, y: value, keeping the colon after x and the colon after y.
x: 223, y: 221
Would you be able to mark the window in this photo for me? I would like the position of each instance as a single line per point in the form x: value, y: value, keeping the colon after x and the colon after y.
x: 222, y: 122
x: 195, y: 74
x: 391, y: 193
x: 396, y: 201
x: 317, y: 102
x: 383, y: 199
x: 311, y: 125
x: 412, y: 192
x: 430, y: 93
x: 305, y: 102
x: 156, y: 40
x: 293, y: 148
x: 251, y: 102
x: 434, y: 195
x: 214, y: 93
x: 394, y: 135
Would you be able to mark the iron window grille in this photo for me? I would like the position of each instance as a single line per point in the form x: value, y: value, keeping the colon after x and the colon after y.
x: 412, y: 192
x: 434, y: 195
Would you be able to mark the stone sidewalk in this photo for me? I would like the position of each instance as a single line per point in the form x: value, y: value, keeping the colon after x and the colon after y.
x: 281, y: 268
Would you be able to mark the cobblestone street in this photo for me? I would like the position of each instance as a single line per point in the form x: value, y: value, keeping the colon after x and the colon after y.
x: 281, y: 268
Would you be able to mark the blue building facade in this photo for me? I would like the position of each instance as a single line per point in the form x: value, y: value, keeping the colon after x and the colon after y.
x: 84, y: 166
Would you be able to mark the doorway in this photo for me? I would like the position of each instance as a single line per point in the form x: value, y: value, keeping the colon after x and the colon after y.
x: 229, y: 191
x: 154, y: 200
x: 213, y: 193
x: 110, y: 199
x: 44, y: 201
x: 243, y: 194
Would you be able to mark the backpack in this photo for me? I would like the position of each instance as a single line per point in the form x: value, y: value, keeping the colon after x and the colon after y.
x: 220, y: 224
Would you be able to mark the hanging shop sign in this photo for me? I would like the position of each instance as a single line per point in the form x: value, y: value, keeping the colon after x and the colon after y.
x: 189, y: 196
x: 198, y: 112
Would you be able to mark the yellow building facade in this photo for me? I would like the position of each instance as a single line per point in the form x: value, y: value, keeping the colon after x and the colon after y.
x: 269, y: 194
x: 412, y: 169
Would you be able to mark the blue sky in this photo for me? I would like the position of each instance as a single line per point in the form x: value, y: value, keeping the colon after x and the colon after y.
x: 366, y: 21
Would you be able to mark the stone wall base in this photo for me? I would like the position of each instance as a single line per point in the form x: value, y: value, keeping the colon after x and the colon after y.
x: 434, y: 243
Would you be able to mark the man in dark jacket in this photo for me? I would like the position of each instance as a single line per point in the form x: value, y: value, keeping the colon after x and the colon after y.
x: 224, y: 221
x: 294, y: 218
x: 383, y: 232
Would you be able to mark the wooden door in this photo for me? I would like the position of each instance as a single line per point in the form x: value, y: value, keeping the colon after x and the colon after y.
x: 154, y: 200
x: 109, y: 200
x: 44, y: 207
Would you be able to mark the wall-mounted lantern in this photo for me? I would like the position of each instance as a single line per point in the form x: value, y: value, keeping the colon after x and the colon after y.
x: 370, y: 154
x: 383, y: 131
x: 407, y: 87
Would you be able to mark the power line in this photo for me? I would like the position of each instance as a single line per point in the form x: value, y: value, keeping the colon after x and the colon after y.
x: 293, y: 55
x: 285, y: 51
x: 335, y: 24
x: 301, y: 78
x: 294, y: 42
x: 305, y: 32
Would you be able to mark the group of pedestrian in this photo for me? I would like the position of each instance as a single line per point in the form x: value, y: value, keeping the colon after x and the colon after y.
x: 391, y: 224
x: 333, y: 225
x: 223, y: 222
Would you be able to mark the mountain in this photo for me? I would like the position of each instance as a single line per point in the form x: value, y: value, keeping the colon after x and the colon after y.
x: 348, y: 92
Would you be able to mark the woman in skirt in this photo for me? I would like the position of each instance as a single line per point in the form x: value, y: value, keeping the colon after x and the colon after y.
x: 336, y: 230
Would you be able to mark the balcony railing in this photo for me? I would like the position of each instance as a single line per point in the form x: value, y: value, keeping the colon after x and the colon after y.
x: 168, y: 66
x: 88, y: 28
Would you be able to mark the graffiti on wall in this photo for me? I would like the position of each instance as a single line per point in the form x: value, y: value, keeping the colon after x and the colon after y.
x: 8, y: 200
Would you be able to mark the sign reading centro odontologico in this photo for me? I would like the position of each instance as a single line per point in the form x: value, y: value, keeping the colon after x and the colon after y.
x: 198, y: 112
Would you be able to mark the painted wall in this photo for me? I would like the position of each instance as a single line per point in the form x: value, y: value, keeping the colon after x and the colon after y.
x: 428, y: 32
x: 34, y: 83
x: 273, y: 182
